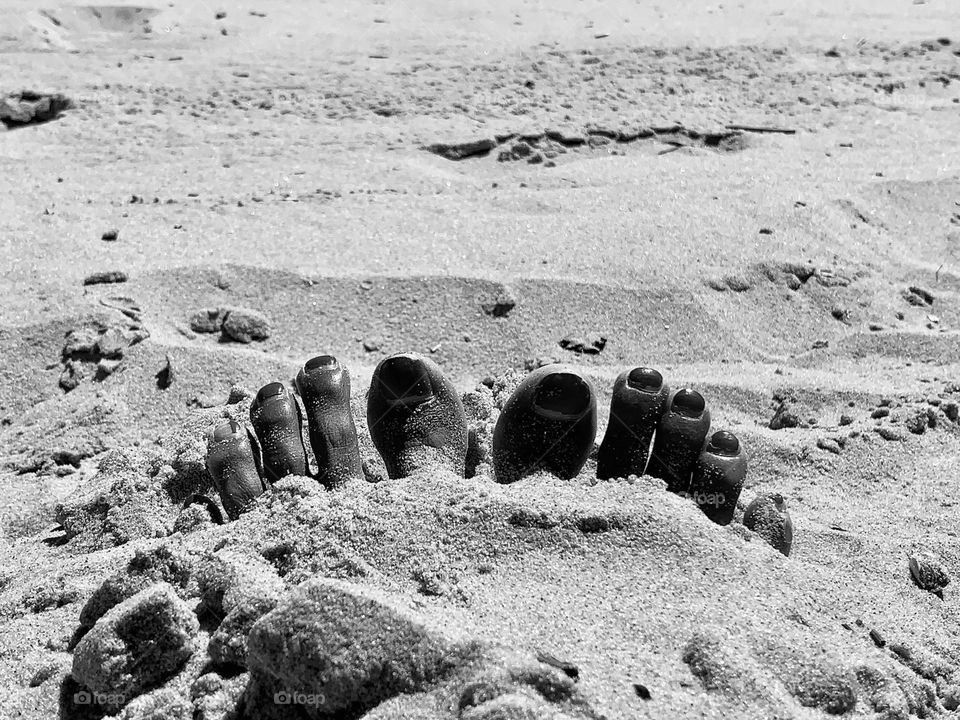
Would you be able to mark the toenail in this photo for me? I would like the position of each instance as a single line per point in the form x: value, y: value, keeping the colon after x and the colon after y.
x: 724, y: 443
x: 320, y: 361
x: 225, y: 431
x: 689, y: 403
x: 646, y: 379
x: 270, y: 390
x: 405, y: 380
x: 562, y: 394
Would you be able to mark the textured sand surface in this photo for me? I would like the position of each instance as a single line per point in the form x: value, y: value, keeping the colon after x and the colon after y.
x: 291, y: 160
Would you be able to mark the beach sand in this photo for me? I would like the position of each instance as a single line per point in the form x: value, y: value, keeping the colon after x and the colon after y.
x: 477, y: 184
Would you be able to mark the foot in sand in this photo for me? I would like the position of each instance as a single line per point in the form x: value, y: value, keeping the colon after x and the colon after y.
x: 416, y: 419
x: 414, y: 413
x: 550, y: 423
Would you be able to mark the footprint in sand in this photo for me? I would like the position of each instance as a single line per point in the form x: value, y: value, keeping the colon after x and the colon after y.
x: 417, y: 420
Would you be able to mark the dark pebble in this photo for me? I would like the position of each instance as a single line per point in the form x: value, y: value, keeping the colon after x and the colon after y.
x: 105, y: 277
x: 877, y: 638
x: 110, y: 235
x: 641, y: 691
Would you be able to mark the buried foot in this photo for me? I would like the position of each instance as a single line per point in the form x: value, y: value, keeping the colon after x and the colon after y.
x: 416, y: 420
x: 414, y: 413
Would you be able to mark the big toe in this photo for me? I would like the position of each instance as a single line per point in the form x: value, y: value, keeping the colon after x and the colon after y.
x: 415, y: 416
x: 233, y: 466
x: 718, y: 477
x: 638, y: 402
x: 275, y: 417
x: 324, y: 386
x: 549, y: 422
x: 679, y: 439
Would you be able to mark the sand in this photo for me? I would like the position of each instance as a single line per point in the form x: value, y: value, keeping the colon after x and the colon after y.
x: 288, y: 165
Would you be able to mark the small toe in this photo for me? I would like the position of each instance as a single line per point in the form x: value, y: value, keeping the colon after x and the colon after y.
x: 324, y: 386
x: 638, y: 402
x: 718, y: 477
x: 233, y: 467
x: 549, y: 422
x: 275, y: 417
x: 679, y: 439
x: 415, y: 416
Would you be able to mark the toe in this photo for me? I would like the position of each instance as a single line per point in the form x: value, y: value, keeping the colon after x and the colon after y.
x: 275, y: 417
x: 233, y: 467
x: 415, y: 416
x: 549, y: 422
x: 324, y: 386
x: 638, y: 402
x: 679, y: 439
x: 718, y: 477
x: 768, y: 516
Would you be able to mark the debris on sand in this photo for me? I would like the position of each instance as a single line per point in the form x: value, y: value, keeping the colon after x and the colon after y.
x: 768, y: 516
x: 32, y: 108
x: 928, y: 573
x: 105, y: 277
x: 464, y: 149
x: 233, y: 323
x: 589, y: 345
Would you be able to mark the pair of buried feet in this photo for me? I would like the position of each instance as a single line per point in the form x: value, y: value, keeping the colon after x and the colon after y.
x: 416, y: 419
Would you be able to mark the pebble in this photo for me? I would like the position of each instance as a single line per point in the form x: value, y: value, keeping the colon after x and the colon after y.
x: 244, y: 325
x: 784, y: 417
x: 111, y: 235
x: 105, y: 277
x: 109, y: 658
x: 892, y: 434
x: 768, y: 516
x: 370, y: 345
x: 846, y: 419
x: 928, y: 573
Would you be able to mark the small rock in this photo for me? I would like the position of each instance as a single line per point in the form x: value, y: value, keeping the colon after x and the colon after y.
x: 877, y: 638
x: 641, y: 690
x: 592, y: 345
x: 238, y: 393
x: 105, y: 277
x: 106, y: 366
x: 846, y: 419
x: 880, y: 412
x: 828, y: 444
x: 951, y: 410
x: 875, y: 327
x: 28, y: 107
x: 245, y: 326
x: 220, y: 14
x: 928, y: 573
x: 164, y: 375
x: 793, y: 282
x: 499, y: 305
x: 348, y: 646
x: 139, y: 643
x: 370, y: 345
x: 463, y: 150
x: 71, y: 376
x: 111, y: 235
x: 892, y: 434
x: 768, y: 516
x: 208, y: 320
x: 784, y: 417
x: 924, y: 295
x: 917, y: 423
